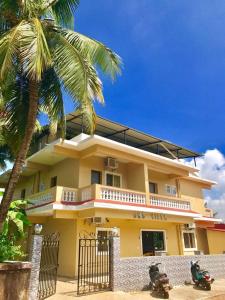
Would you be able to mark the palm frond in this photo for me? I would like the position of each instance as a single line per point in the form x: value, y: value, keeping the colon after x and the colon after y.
x: 107, y: 60
x: 9, y: 49
x: 51, y: 101
x: 35, y: 53
x: 63, y: 11
x: 78, y: 76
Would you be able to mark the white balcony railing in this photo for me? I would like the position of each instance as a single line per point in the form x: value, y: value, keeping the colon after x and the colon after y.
x: 42, y: 198
x: 168, y: 202
x: 55, y: 194
x: 69, y: 195
x: 86, y: 193
x: 121, y: 195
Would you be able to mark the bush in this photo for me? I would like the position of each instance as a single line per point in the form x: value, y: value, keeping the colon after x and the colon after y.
x: 14, y: 229
x: 9, y: 250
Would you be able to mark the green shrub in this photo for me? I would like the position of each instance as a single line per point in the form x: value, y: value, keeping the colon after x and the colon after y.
x: 14, y: 230
x: 9, y: 250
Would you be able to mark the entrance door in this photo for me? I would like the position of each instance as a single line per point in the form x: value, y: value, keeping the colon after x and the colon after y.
x: 152, y: 241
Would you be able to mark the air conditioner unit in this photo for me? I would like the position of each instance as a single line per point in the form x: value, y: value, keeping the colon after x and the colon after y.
x: 96, y: 220
x: 111, y: 163
x: 189, y: 226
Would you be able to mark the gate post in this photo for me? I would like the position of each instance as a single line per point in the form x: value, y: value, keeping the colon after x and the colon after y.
x: 35, y: 259
x: 115, y: 261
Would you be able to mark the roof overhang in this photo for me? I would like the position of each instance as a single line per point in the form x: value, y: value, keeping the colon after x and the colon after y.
x: 207, y: 219
x: 50, y: 156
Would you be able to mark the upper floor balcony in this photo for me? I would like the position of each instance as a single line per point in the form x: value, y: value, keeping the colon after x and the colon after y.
x: 107, y: 194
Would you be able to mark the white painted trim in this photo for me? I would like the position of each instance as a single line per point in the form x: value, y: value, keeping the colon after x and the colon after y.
x: 88, y: 205
x: 123, y: 207
x: 189, y: 249
x: 208, y: 219
x: 158, y: 230
x: 144, y: 209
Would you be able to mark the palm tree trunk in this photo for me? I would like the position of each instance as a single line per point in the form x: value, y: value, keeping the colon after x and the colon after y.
x: 21, y: 156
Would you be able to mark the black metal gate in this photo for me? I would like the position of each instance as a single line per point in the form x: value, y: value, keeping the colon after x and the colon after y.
x: 94, y: 272
x: 48, y: 266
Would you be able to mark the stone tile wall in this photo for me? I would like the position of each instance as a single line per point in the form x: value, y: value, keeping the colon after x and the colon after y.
x: 130, y: 274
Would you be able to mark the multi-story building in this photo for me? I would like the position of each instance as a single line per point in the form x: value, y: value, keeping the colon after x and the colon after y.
x: 118, y: 177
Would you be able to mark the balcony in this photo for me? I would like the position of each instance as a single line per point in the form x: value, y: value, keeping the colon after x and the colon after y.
x: 55, y: 194
x: 70, y: 196
x: 157, y: 200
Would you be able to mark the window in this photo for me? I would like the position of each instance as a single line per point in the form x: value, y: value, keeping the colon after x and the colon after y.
x: 53, y: 181
x: 171, y: 189
x: 189, y: 240
x: 103, y: 234
x: 152, y: 240
x: 96, y: 177
x: 153, y: 188
x: 113, y: 180
x: 23, y: 194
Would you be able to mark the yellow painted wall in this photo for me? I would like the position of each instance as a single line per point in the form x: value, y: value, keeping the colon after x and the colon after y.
x: 130, y: 233
x: 25, y: 183
x: 192, y: 191
x: 97, y: 164
x: 216, y: 242
x: 161, y: 180
x: 67, y: 244
x: 202, y: 241
x: 136, y: 177
x: 66, y: 172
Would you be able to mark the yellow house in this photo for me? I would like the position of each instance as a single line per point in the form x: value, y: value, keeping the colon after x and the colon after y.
x: 118, y: 177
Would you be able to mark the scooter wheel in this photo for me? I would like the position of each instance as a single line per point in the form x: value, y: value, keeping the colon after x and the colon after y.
x: 166, y: 295
x: 208, y: 286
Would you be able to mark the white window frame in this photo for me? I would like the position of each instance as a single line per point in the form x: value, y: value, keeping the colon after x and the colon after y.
x: 171, y: 186
x: 112, y: 173
x: 193, y: 232
x: 158, y: 230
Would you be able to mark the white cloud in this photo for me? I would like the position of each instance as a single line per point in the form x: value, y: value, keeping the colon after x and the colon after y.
x: 212, y: 167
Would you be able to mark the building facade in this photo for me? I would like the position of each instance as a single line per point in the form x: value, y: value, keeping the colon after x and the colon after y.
x: 119, y: 177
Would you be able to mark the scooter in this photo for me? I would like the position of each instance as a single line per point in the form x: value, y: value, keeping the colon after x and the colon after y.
x: 159, y: 281
x: 200, y: 277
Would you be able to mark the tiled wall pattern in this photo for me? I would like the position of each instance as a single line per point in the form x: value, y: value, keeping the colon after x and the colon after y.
x: 131, y: 274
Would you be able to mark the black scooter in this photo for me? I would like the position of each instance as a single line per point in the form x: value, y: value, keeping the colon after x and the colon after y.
x: 200, y: 277
x: 159, y: 281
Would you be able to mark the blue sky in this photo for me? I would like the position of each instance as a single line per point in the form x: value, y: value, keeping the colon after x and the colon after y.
x: 173, y: 80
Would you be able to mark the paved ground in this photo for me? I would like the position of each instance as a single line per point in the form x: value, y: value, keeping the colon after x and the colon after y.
x: 66, y: 290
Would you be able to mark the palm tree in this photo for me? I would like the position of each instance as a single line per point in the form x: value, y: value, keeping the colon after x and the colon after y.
x: 40, y: 56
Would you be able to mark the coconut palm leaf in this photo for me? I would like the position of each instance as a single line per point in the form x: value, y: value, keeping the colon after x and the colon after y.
x: 51, y: 102
x: 35, y: 55
x: 107, y: 60
x: 63, y: 11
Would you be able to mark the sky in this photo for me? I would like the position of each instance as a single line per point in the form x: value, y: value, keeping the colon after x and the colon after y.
x: 173, y: 79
